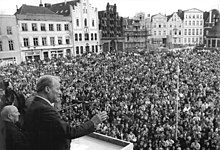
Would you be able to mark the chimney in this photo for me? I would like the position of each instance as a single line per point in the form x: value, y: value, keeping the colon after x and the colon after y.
x: 41, y: 5
x: 210, y: 16
x: 65, y: 2
x: 47, y: 5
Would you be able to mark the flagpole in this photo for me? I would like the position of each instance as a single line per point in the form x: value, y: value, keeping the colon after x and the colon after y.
x: 177, y: 100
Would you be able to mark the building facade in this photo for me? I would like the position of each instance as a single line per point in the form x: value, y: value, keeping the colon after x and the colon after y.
x: 159, y: 29
x: 211, y: 19
x: 9, y: 43
x: 43, y: 34
x: 136, y: 33
x: 175, y: 29
x: 84, y: 25
x: 111, y: 29
x: 193, y: 27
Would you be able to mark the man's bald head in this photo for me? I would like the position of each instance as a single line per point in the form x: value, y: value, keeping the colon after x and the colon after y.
x: 10, y: 113
x: 44, y: 81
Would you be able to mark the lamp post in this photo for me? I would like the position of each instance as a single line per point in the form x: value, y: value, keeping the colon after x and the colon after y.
x: 177, y: 98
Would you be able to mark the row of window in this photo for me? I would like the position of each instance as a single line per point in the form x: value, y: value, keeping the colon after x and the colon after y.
x: 194, y: 16
x: 80, y: 50
x: 193, y: 31
x: 78, y: 36
x: 10, y: 45
x: 193, y: 23
x: 193, y: 40
x: 45, y: 42
x: 42, y: 27
x: 85, y: 23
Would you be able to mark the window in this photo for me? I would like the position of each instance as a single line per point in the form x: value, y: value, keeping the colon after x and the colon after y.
x: 96, y: 47
x: 60, y: 40
x: 164, y: 32
x: 186, y: 23
x: 85, y: 22
x: 26, y: 42
x: 93, y: 48
x: 155, y: 32
x: 189, y: 32
x: 42, y: 27
x: 92, y: 36
x: 197, y: 23
x: 67, y: 40
x: 34, y: 27
x: 190, y: 23
x: 35, y: 41
x: 197, y: 31
x: 76, y: 37
x: 24, y: 26
x: 58, y: 27
x: 9, y: 30
x: 95, y: 36
x: 200, y: 31
x: 66, y: 27
x: 201, y: 23
x: 1, y: 49
x: 185, y: 32
x: 51, y: 27
x: 77, y: 22
x: 80, y: 36
x: 44, y: 41
x: 193, y: 22
x: 81, y: 49
x: 52, y: 41
x: 193, y: 31
x: 93, y: 23
x: 11, y: 45
x: 86, y: 36
x: 77, y: 50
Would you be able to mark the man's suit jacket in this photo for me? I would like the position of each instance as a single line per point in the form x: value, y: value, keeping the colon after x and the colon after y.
x: 47, y: 131
x: 15, y: 138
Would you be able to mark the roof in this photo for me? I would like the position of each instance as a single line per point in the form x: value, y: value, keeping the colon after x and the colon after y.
x: 180, y: 13
x: 193, y: 9
x: 214, y: 31
x: 27, y: 9
x: 64, y: 7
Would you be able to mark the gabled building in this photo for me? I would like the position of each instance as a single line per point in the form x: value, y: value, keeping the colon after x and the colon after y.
x: 211, y: 19
x: 159, y: 29
x: 9, y: 43
x: 84, y: 25
x: 193, y: 27
x: 175, y: 29
x: 111, y: 28
x: 136, y: 33
x: 212, y: 39
x: 43, y: 34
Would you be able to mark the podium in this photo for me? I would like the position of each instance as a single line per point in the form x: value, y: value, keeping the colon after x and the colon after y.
x: 96, y: 141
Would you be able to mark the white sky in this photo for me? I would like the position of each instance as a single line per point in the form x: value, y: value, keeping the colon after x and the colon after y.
x: 125, y: 8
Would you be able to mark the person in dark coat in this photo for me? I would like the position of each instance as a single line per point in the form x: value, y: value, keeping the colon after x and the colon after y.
x: 15, y: 138
x: 45, y: 128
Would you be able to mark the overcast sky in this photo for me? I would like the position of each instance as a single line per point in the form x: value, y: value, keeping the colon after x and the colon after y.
x: 125, y: 8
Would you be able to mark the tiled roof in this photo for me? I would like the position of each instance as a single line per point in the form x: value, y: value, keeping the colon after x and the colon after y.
x: 215, y: 31
x: 27, y: 9
x: 63, y: 8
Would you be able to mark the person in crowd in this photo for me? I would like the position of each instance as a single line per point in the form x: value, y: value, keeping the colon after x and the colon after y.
x: 43, y: 124
x: 138, y: 91
x: 15, y: 138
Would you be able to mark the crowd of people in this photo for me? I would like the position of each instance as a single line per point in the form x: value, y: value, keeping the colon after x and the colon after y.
x: 159, y: 100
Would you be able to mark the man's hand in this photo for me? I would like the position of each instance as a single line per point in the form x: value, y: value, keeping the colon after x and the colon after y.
x: 99, y: 118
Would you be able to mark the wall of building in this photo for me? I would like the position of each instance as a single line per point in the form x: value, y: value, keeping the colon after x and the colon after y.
x: 9, y: 34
